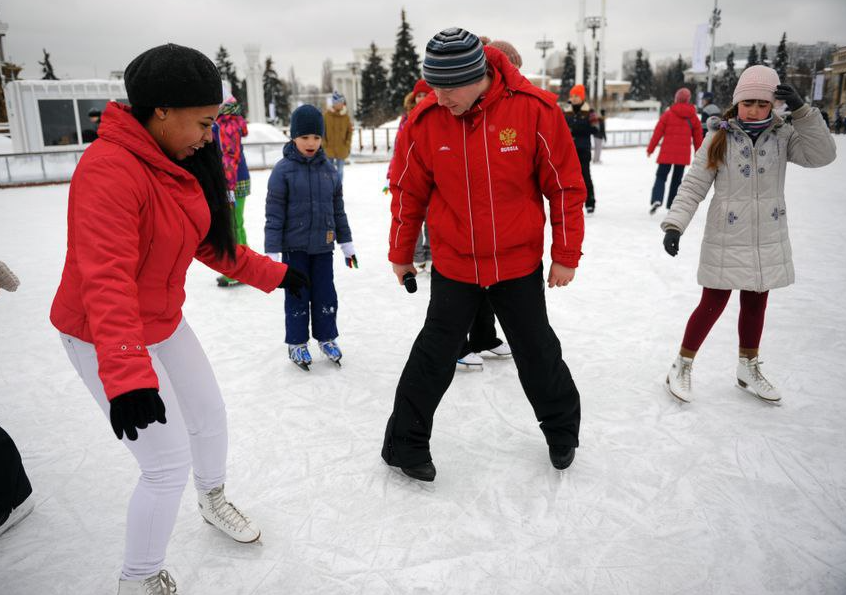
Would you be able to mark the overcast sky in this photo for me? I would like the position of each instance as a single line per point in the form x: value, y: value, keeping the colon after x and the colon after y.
x: 89, y: 38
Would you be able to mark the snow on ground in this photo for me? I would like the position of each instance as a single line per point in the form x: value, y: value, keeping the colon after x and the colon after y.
x: 725, y: 495
x: 264, y: 133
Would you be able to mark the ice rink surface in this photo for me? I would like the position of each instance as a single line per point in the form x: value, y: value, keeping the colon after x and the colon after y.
x: 725, y: 495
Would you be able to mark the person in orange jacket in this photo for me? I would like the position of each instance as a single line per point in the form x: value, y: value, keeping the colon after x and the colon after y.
x: 478, y: 155
x: 147, y: 198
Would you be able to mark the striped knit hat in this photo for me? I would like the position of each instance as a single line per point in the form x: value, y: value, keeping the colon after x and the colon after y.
x: 454, y: 58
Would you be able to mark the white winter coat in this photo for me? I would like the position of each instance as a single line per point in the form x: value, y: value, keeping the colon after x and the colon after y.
x: 746, y: 245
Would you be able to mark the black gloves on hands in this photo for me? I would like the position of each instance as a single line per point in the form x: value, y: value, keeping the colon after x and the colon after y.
x: 671, y: 241
x: 136, y: 409
x: 788, y: 95
x: 295, y: 280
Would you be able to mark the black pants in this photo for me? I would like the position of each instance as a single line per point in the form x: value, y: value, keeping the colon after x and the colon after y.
x: 521, y: 308
x: 14, y: 484
x: 482, y: 331
x: 661, y: 181
x: 584, y: 161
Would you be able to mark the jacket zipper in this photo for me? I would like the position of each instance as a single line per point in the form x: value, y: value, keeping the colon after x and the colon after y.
x: 469, y: 206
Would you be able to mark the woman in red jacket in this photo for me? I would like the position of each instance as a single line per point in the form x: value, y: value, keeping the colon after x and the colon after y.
x: 146, y: 199
x: 678, y: 126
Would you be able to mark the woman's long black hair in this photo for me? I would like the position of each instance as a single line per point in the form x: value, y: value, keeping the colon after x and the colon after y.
x: 207, y: 166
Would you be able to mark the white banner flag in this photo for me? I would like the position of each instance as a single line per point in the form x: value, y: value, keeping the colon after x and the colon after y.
x: 819, y: 82
x: 701, y: 48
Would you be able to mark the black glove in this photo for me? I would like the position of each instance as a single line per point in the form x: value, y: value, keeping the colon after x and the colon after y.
x: 671, y: 241
x: 294, y: 281
x: 788, y: 95
x: 136, y: 409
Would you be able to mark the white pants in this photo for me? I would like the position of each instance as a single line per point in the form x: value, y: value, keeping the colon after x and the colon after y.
x: 195, y: 432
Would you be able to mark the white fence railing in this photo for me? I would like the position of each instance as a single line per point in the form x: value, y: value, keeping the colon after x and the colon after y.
x: 370, y: 144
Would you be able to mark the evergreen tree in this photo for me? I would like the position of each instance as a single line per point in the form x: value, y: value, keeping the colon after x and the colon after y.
x: 752, y: 58
x: 568, y: 72
x: 726, y: 83
x: 405, y: 67
x: 781, y: 58
x: 764, y: 59
x: 326, y: 77
x: 642, y: 81
x: 227, y: 72
x: 47, y: 68
x: 276, y: 91
x: 374, y: 107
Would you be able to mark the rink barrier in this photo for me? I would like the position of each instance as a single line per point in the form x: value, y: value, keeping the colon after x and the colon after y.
x: 371, y: 145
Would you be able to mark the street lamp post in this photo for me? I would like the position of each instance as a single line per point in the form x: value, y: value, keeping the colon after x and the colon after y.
x: 714, y: 22
x: 3, y: 28
x: 593, y: 23
x: 543, y: 45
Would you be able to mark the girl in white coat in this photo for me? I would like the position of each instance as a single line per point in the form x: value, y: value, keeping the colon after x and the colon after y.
x: 746, y: 245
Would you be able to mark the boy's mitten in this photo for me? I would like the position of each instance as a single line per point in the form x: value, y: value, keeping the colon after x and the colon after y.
x: 8, y: 280
x: 788, y: 95
x: 671, y: 241
x: 349, y: 255
x: 137, y: 408
x: 294, y: 281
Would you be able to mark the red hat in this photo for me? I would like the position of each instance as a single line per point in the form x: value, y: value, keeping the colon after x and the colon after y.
x: 421, y: 87
x: 682, y: 95
x: 578, y: 91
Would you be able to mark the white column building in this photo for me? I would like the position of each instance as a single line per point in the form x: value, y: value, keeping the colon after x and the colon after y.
x: 255, y: 88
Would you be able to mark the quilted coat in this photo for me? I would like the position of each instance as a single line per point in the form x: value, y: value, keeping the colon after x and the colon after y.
x: 746, y: 244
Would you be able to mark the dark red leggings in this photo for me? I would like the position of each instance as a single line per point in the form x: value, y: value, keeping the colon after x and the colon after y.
x: 750, y: 324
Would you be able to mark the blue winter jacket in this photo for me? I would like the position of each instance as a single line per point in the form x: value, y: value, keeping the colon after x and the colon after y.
x: 305, y: 205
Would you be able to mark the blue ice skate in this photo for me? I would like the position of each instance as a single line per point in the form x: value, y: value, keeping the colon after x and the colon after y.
x: 299, y: 355
x: 331, y: 350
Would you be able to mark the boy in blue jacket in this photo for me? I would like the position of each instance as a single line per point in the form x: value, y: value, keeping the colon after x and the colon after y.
x: 304, y: 217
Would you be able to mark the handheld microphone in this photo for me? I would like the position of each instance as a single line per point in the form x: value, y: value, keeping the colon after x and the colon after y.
x: 410, y: 282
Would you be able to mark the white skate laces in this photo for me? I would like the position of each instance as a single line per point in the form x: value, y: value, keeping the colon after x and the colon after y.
x: 751, y: 379
x: 217, y: 511
x: 679, y: 382
x: 158, y: 584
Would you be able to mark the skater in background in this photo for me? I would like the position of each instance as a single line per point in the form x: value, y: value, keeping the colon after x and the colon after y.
x: 599, y: 139
x: 145, y: 200
x: 583, y: 125
x: 229, y: 130
x: 422, y: 252
x: 16, y: 500
x: 746, y: 245
x: 337, y: 139
x: 676, y: 130
x: 304, y: 219
x: 709, y: 108
x: 89, y: 134
x: 482, y: 341
x: 475, y: 253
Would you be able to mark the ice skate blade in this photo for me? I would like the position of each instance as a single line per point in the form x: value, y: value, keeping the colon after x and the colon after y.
x: 469, y: 367
x: 302, y: 366
x: 671, y: 393
x: 745, y: 388
x: 229, y: 536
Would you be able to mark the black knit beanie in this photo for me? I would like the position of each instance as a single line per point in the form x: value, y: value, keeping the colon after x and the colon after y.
x: 306, y: 119
x: 172, y: 75
x: 454, y: 58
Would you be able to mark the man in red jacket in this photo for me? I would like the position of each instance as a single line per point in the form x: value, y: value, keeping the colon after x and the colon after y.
x: 478, y: 154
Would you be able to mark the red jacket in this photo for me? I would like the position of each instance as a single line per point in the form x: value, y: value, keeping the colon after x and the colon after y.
x: 678, y: 125
x: 481, y: 176
x: 135, y: 223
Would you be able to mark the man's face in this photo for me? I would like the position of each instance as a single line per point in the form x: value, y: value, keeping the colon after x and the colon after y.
x: 339, y: 106
x: 576, y: 99
x: 460, y: 99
